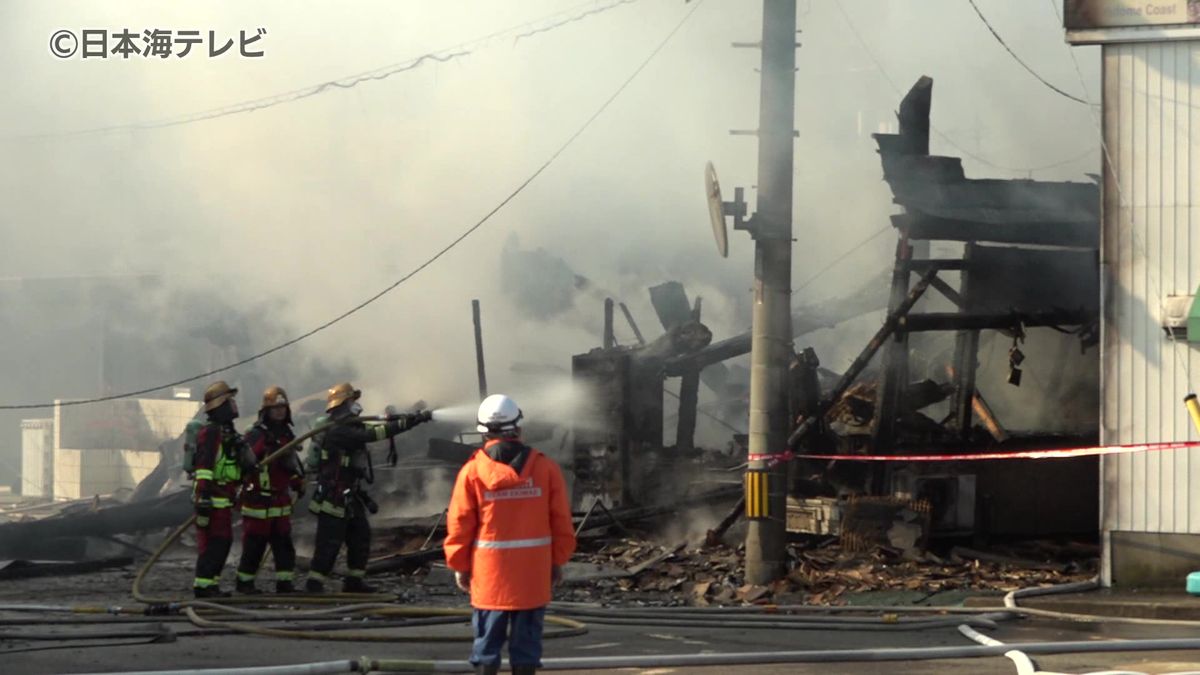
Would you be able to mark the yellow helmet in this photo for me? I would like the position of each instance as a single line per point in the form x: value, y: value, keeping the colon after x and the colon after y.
x: 340, y: 394
x: 273, y: 396
x: 217, y: 393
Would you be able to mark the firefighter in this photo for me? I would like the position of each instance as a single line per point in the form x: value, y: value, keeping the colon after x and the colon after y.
x: 267, y: 497
x: 220, y: 459
x: 340, y: 499
x: 508, y: 534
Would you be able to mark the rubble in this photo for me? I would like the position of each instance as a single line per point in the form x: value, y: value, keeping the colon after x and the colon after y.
x: 822, y: 572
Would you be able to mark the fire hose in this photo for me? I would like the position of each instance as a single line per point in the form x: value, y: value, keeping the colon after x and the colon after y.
x: 569, y: 627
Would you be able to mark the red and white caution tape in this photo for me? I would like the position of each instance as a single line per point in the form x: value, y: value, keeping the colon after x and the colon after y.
x: 1055, y: 453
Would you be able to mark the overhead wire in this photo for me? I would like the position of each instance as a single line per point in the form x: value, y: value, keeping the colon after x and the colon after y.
x: 949, y: 141
x: 446, y: 249
x: 345, y: 82
x: 854, y: 249
x: 1021, y: 61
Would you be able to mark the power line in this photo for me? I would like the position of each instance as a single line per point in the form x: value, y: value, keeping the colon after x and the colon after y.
x: 580, y: 17
x: 1018, y: 59
x: 895, y: 87
x: 345, y: 82
x: 840, y: 258
x: 468, y: 232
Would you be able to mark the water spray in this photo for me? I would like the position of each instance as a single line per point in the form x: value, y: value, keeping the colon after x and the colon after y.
x: 456, y: 414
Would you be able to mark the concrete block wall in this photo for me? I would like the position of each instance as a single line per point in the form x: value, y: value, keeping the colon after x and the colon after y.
x: 106, y: 447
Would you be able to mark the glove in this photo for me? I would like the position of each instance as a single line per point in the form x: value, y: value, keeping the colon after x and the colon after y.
x: 555, y: 575
x: 204, y: 510
x: 463, y: 581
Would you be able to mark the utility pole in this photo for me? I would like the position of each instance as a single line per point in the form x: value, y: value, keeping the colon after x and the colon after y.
x: 479, y: 369
x: 771, y: 335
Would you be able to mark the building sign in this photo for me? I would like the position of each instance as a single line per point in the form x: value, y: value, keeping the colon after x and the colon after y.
x: 1084, y: 14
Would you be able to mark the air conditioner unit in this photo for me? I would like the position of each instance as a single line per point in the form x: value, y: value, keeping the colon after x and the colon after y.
x: 1180, y: 320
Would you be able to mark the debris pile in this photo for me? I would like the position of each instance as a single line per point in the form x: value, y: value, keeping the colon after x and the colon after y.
x: 632, y: 571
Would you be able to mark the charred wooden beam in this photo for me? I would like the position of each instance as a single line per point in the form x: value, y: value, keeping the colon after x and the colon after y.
x: 935, y: 321
x: 889, y: 395
x: 919, y: 266
x: 479, y: 369
x: 868, y: 298
x: 948, y: 292
x: 860, y: 363
x: 166, y: 511
x: 966, y: 359
x: 610, y: 339
x: 1080, y: 234
x: 632, y: 324
x: 689, y: 398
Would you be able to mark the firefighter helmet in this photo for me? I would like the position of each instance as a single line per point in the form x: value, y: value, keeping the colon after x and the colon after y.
x: 498, y: 414
x: 340, y: 394
x: 273, y: 396
x: 217, y: 393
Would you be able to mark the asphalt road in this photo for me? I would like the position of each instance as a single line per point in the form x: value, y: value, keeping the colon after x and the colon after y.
x: 229, y: 651
x: 72, y: 655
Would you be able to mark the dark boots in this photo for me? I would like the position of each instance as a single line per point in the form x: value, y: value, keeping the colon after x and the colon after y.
x: 284, y: 587
x: 356, y: 585
x: 524, y: 670
x: 247, y: 588
x: 209, y: 592
x: 482, y: 669
x: 313, y: 586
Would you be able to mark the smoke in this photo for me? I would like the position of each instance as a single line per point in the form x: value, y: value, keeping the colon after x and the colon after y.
x: 272, y: 222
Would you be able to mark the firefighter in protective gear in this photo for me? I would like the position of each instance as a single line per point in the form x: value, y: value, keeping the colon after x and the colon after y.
x: 340, y: 500
x: 508, y: 534
x: 267, y: 497
x: 221, y: 457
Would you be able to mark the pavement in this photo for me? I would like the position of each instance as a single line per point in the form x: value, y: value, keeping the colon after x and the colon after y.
x: 1129, y: 603
x: 192, y: 650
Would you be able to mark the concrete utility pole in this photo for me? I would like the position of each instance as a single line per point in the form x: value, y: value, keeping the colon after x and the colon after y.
x: 771, y: 339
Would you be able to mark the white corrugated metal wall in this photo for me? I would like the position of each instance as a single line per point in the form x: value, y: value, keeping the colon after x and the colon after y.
x: 1151, y: 107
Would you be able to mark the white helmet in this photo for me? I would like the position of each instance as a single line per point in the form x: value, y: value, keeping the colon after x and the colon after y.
x: 498, y: 413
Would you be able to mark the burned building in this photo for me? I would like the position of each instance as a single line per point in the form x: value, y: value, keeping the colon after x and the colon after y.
x: 1013, y: 268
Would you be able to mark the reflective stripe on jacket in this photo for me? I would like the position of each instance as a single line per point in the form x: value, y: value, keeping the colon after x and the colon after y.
x: 268, y: 491
x: 508, y: 529
x: 218, y: 470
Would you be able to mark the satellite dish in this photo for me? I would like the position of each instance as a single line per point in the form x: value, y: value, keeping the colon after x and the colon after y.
x: 716, y: 209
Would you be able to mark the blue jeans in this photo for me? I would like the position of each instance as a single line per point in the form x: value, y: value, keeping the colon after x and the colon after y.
x: 522, y: 629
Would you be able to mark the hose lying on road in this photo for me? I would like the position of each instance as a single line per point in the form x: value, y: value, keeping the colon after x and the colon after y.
x: 1010, y: 602
x: 367, y: 665
x: 570, y: 627
x: 783, y: 621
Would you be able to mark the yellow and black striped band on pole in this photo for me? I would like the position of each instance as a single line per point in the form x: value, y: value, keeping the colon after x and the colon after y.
x: 758, y: 492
